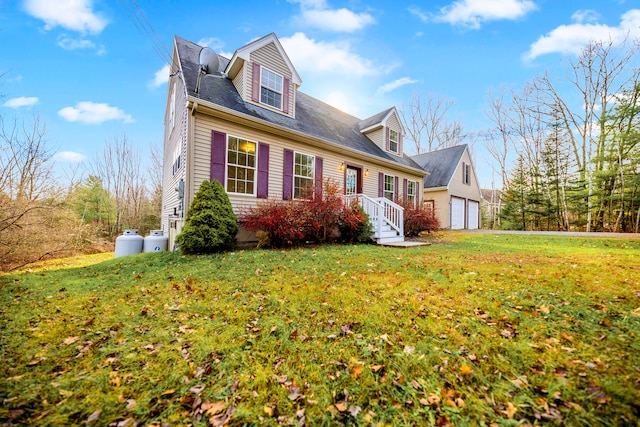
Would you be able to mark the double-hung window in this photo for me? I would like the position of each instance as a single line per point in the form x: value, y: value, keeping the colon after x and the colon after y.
x: 393, y: 141
x: 411, y: 192
x: 303, y: 174
x: 389, y: 187
x: 271, y: 88
x: 241, y: 166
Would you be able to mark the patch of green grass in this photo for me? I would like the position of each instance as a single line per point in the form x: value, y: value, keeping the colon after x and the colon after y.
x: 477, y: 329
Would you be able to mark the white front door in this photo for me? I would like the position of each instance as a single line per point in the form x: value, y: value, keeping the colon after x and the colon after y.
x: 472, y: 215
x: 457, y: 213
x: 351, y: 181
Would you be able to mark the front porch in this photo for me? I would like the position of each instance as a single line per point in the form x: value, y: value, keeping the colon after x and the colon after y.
x: 386, y: 217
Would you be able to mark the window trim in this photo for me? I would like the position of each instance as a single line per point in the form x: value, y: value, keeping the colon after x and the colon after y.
x: 228, y: 164
x: 393, y: 184
x: 262, y: 85
x: 294, y: 175
x: 396, y: 141
x: 466, y: 173
x: 415, y: 191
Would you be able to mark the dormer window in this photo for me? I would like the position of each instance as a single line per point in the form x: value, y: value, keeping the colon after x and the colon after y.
x: 393, y: 141
x: 271, y: 88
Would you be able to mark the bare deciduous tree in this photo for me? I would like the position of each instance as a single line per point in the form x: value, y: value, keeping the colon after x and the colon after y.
x: 428, y: 124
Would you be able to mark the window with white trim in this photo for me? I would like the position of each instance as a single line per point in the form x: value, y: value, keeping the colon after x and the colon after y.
x: 271, y: 88
x: 390, y: 187
x: 411, y: 192
x: 177, y: 154
x: 241, y: 166
x: 303, y: 173
x: 393, y: 141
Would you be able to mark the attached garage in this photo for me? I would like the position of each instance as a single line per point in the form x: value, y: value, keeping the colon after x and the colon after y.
x: 457, y: 213
x: 473, y: 216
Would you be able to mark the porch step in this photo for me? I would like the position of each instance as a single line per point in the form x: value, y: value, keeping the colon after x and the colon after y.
x: 388, y: 240
x: 386, y: 234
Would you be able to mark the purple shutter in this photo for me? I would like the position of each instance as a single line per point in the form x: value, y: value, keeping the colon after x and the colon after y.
x: 387, y: 139
x: 405, y: 187
x: 396, y: 190
x: 255, y: 83
x: 318, y: 174
x: 218, y: 156
x: 285, y: 96
x: 418, y: 194
x: 380, y: 184
x: 464, y: 171
x: 263, y: 171
x: 400, y: 144
x: 287, y: 183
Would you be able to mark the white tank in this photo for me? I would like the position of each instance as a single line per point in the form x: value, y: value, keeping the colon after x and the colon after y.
x: 155, y: 242
x: 129, y: 243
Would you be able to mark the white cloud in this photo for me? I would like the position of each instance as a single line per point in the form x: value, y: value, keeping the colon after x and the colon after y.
x: 388, y: 87
x: 572, y: 38
x: 93, y: 113
x: 69, y: 43
x: 317, y: 14
x: 23, y: 101
x: 420, y: 14
x: 76, y: 15
x: 587, y: 15
x: 471, y: 13
x: 69, y: 156
x: 312, y: 56
x: 160, y: 77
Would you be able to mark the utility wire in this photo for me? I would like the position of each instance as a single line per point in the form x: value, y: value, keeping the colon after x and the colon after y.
x: 142, y: 24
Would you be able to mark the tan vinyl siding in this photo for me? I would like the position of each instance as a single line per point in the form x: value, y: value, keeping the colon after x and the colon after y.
x: 331, y: 160
x: 458, y: 188
x: 174, y: 141
x: 239, y: 82
x: 441, y: 201
x: 378, y: 137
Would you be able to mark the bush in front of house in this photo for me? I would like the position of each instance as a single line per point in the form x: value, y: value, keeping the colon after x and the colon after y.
x: 210, y: 225
x: 417, y: 220
x: 322, y: 217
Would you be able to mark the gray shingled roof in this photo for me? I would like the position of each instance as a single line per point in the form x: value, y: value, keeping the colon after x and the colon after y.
x: 440, y: 164
x: 313, y: 117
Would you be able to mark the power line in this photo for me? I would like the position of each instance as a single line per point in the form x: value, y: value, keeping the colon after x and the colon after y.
x: 142, y: 24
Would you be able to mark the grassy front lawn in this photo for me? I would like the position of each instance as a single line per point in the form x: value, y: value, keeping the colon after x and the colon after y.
x: 475, y: 329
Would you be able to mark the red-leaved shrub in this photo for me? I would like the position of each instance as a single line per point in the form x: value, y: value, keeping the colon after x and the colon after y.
x: 417, y: 220
x: 322, y: 217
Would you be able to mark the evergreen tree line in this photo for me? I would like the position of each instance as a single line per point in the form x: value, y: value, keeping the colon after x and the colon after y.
x: 575, y: 144
x: 46, y: 213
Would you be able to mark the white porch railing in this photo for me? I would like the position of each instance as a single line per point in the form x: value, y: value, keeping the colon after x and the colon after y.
x: 383, y: 214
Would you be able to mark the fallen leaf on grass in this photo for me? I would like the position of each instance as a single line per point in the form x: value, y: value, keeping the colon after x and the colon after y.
x: 354, y: 411
x: 598, y: 395
x: 94, y: 417
x: 70, y: 340
x: 466, y: 370
x: 510, y: 411
x: 341, y: 406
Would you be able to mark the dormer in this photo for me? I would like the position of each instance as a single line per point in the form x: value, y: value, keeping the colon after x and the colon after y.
x: 263, y: 74
x: 385, y: 130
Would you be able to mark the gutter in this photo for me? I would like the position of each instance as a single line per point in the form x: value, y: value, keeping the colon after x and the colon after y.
x: 215, y: 110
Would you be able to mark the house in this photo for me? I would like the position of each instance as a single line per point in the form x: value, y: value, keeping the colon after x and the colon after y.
x: 451, y: 188
x: 245, y: 122
x: 491, y: 206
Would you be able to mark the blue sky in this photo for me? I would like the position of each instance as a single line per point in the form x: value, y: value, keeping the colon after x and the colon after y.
x: 92, y: 71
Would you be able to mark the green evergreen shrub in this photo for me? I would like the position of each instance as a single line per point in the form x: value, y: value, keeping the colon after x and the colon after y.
x: 210, y: 225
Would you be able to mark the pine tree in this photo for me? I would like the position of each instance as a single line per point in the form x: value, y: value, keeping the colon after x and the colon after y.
x: 210, y: 225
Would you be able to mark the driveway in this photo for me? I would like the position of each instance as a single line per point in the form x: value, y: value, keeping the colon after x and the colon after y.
x: 558, y: 233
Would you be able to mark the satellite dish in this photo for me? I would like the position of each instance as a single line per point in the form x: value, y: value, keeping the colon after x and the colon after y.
x: 209, y: 61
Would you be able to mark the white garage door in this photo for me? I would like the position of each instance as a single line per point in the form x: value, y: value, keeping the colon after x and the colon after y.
x: 457, y: 213
x: 472, y: 218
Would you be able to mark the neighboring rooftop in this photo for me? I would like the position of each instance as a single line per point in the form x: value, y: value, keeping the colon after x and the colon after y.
x: 440, y: 164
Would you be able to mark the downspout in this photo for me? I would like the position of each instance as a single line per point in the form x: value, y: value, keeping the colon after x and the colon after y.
x: 189, y: 191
